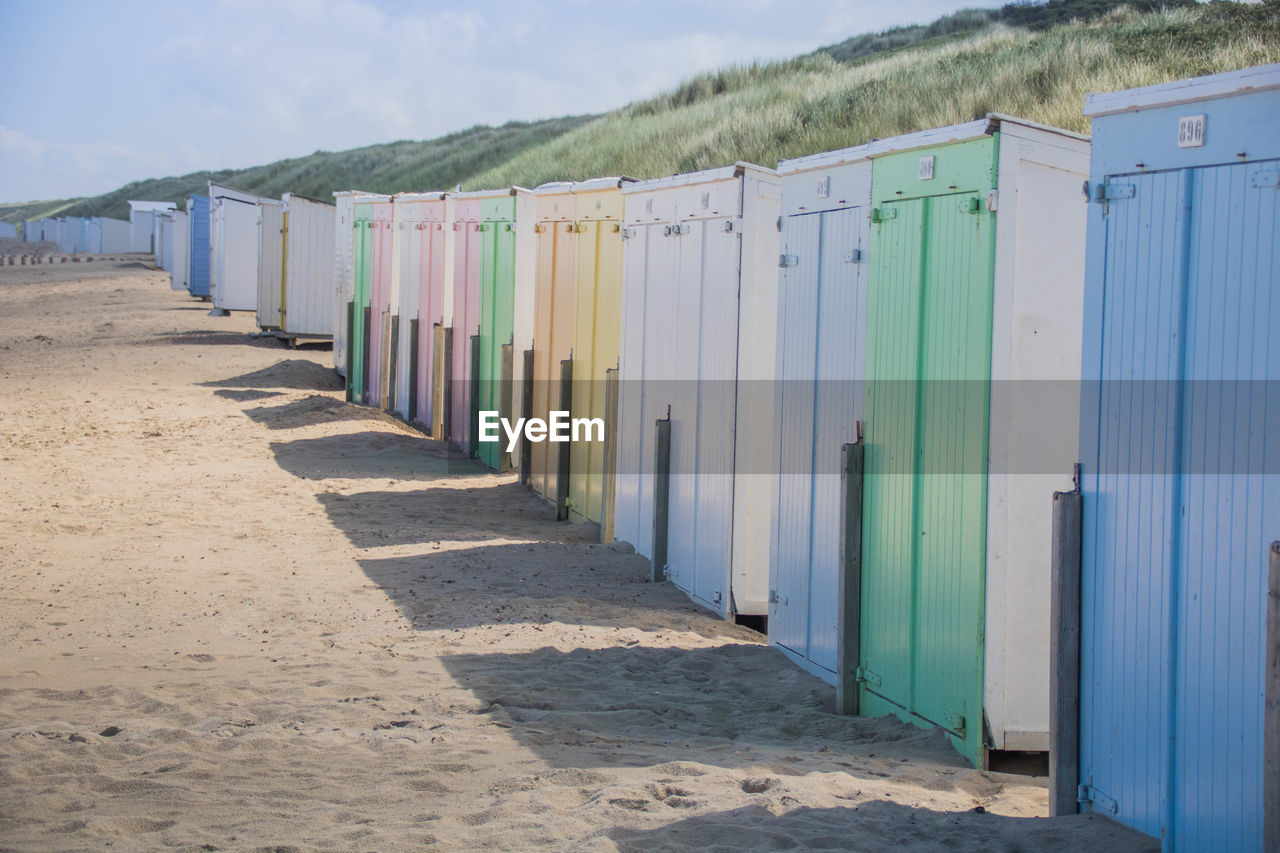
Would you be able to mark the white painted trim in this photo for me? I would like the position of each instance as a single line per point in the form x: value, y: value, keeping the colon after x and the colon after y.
x: 1256, y: 79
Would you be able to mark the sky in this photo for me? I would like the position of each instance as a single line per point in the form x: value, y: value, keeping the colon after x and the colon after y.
x: 97, y: 94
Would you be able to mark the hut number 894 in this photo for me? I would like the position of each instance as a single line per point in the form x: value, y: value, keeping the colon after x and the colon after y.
x: 1191, y: 131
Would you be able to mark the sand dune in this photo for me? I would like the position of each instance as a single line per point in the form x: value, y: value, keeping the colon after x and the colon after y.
x: 238, y: 613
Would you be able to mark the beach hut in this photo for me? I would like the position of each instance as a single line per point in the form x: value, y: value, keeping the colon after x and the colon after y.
x: 270, y: 264
x: 972, y: 368
x: 306, y: 284
x: 8, y: 231
x: 180, y: 266
x: 555, y: 280
x: 32, y: 231
x: 69, y: 235
x: 822, y: 305
x: 142, y: 224
x: 51, y: 231
x: 113, y: 235
x: 700, y: 286
x: 422, y: 250
x: 1179, y: 617
x: 91, y: 239
x: 233, y: 249
x: 506, y: 222
x: 198, y: 247
x: 370, y: 296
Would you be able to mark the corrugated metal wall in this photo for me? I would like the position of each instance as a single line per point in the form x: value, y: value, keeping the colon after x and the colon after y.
x: 596, y: 328
x: 554, y: 289
x: 198, y: 278
x: 308, y: 283
x: 270, y: 264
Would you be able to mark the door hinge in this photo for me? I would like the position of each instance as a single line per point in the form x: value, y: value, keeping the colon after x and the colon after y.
x: 628, y: 233
x: 1115, y: 191
x: 483, y: 226
x: 715, y: 597
x: 731, y: 225
x: 788, y: 260
x: 1265, y: 179
x: 774, y: 598
x: 970, y: 205
x: 883, y: 214
x: 864, y: 674
x: 579, y: 228
x: 1097, y: 801
x: 853, y: 256
x: 993, y: 201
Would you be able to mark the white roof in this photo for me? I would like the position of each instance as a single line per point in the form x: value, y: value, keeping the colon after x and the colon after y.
x: 151, y: 205
x: 1256, y: 79
x: 706, y: 176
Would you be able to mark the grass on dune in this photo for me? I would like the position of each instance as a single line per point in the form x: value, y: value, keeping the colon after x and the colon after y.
x: 764, y: 113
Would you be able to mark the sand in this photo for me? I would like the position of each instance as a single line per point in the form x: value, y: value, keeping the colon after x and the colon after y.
x: 237, y: 613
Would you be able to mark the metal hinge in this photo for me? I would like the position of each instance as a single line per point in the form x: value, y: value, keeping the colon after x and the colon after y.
x: 1097, y: 801
x: 853, y: 256
x: 539, y: 227
x: 883, y: 214
x: 774, y: 598
x: 970, y: 205
x: 864, y: 674
x: 628, y: 233
x: 579, y: 228
x: 483, y: 226
x: 788, y: 260
x: 1114, y: 191
x: 1265, y: 179
x: 731, y: 225
x: 715, y: 597
x: 993, y: 200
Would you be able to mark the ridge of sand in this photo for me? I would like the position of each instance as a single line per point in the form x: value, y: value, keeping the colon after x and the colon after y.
x: 238, y: 613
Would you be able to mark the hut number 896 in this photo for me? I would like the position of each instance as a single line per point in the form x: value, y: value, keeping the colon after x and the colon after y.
x: 1191, y: 131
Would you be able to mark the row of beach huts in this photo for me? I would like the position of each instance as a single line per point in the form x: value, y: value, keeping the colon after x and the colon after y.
x: 980, y: 423
x: 96, y: 235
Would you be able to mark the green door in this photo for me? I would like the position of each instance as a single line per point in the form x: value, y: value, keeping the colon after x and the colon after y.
x: 927, y: 413
x: 497, y: 315
x: 361, y: 224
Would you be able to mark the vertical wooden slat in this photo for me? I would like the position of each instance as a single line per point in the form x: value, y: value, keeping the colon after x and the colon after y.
x: 661, y: 497
x: 526, y: 412
x: 849, y: 616
x: 1064, y: 655
x: 562, y: 451
x: 610, y: 452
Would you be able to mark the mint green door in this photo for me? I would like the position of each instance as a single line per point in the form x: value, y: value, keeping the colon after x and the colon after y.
x: 927, y: 412
x: 361, y: 225
x: 497, y: 314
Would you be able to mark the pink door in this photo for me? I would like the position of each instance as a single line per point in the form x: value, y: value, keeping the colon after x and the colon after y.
x: 466, y: 312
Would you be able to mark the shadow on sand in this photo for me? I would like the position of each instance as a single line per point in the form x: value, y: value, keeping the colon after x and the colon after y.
x: 873, y: 825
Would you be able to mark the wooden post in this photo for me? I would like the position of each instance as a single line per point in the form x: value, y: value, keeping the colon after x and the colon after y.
x: 562, y: 450
x: 849, y: 651
x: 610, y: 452
x: 446, y: 385
x: 437, y: 381
x: 661, y: 497
x: 387, y: 363
x: 1064, y: 653
x: 414, y: 367
x: 392, y: 361
x: 505, y: 403
x: 1271, y: 709
x: 473, y: 400
x: 351, y: 347
x: 364, y: 356
x: 526, y: 412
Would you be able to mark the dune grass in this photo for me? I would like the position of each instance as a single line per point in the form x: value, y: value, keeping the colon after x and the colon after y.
x: 763, y: 113
x: 1033, y: 61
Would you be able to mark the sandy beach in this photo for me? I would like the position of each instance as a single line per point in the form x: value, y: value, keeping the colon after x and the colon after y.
x: 238, y: 613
